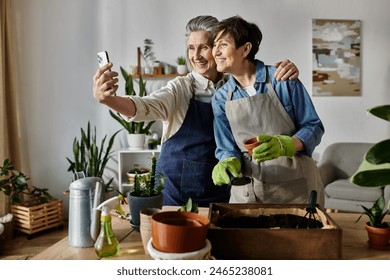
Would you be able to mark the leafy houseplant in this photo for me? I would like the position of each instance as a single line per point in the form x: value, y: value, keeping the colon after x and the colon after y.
x: 376, y: 213
x: 375, y: 168
x: 89, y: 157
x: 14, y: 184
x: 374, y: 171
x: 146, y: 193
x: 133, y: 127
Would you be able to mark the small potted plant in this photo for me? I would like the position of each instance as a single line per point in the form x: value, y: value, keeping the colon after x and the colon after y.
x: 146, y: 193
x: 137, y: 131
x: 181, y: 65
x: 378, y: 231
x: 30, y: 206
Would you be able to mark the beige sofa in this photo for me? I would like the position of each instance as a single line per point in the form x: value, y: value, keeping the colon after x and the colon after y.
x: 337, y: 164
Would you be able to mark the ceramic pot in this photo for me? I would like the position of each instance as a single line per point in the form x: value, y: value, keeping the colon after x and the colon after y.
x: 250, y: 144
x: 137, y: 203
x: 182, y: 69
x: 378, y: 238
x: 179, y: 232
x: 136, y: 141
x: 146, y: 225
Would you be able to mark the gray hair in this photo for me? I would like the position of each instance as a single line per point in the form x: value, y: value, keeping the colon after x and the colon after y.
x: 200, y: 23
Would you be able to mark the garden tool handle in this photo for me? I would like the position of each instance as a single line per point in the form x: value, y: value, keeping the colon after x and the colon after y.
x: 311, y: 204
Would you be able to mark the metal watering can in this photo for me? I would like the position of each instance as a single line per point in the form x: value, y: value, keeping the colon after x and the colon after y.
x: 86, y: 193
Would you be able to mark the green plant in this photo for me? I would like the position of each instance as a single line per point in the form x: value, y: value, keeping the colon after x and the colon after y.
x: 375, y: 168
x: 133, y: 127
x: 181, y: 60
x: 374, y: 171
x: 14, y: 184
x: 88, y: 156
x: 149, y: 184
x: 376, y: 213
x: 189, y: 206
x: 152, y: 143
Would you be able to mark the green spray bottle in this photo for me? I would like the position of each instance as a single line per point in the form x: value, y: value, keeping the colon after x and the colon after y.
x: 107, y: 244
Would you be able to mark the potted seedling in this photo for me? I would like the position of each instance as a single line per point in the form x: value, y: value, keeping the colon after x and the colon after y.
x: 377, y: 230
x: 181, y: 65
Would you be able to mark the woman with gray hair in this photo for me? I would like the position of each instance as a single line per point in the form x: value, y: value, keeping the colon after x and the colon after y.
x: 184, y: 106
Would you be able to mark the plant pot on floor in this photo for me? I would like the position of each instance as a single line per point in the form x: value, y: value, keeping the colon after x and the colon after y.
x: 378, y: 238
x: 136, y: 141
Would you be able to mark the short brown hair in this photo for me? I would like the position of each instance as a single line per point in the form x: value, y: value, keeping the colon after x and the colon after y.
x: 242, y: 33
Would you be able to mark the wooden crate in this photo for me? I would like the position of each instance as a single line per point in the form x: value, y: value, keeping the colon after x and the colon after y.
x: 273, y: 244
x: 34, y: 219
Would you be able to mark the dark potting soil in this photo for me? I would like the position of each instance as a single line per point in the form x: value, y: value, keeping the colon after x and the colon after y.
x: 272, y: 221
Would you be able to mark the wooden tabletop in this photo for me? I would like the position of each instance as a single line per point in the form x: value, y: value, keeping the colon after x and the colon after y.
x: 354, y: 244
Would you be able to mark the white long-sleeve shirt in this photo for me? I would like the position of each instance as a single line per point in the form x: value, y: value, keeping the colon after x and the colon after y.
x: 170, y: 103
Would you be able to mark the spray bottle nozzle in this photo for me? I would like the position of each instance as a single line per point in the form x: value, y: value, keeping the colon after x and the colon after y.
x: 112, y: 203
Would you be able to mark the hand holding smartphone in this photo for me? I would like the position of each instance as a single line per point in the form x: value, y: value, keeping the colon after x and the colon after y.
x: 102, y: 58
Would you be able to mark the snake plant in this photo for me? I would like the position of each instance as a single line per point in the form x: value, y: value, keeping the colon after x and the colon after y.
x: 89, y: 156
x: 374, y: 171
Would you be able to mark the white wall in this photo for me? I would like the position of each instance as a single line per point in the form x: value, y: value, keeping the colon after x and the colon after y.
x: 59, y: 41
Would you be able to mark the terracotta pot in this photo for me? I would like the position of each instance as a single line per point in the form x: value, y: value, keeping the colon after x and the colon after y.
x: 179, y: 232
x: 250, y: 144
x: 378, y: 238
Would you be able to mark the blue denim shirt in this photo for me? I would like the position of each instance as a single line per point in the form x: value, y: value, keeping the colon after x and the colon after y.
x: 292, y: 94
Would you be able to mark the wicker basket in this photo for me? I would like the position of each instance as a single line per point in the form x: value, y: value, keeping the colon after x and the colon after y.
x: 34, y: 219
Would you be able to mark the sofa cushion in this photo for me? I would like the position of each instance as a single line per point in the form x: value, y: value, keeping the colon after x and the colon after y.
x: 343, y: 189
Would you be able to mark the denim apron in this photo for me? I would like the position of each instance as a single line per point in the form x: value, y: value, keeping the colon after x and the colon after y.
x: 282, y: 180
x: 188, y: 158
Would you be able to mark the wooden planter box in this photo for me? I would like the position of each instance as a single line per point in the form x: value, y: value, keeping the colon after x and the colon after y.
x: 34, y: 219
x: 269, y: 243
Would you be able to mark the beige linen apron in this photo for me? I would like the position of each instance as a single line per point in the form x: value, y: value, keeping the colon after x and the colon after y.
x: 283, y: 180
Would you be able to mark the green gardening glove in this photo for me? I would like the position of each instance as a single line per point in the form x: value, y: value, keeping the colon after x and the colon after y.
x: 220, y: 173
x: 272, y: 147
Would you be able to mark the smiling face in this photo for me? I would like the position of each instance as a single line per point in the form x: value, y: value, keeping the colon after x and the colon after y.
x: 200, y: 55
x: 226, y: 55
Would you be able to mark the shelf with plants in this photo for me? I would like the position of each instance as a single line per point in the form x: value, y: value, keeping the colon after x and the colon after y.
x: 129, y: 159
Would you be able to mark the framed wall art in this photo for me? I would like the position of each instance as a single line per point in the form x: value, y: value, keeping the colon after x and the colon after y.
x: 336, y: 57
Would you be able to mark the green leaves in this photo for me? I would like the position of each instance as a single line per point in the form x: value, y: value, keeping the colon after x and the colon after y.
x: 382, y: 112
x: 189, y: 206
x: 133, y: 127
x: 374, y: 171
x: 149, y: 184
x: 89, y: 156
x: 376, y: 213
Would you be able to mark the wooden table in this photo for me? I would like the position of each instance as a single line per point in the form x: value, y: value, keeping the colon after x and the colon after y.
x: 354, y: 245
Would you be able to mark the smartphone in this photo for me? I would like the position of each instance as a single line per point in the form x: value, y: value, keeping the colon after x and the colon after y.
x: 102, y: 58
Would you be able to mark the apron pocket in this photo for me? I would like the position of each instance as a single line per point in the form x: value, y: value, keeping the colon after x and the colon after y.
x: 287, y: 192
x: 196, y: 180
